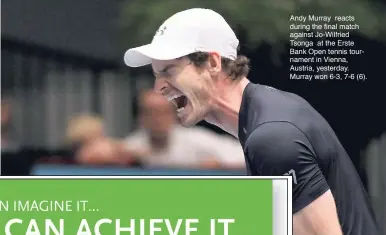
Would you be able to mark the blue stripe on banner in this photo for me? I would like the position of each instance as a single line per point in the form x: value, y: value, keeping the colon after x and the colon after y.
x: 49, y: 169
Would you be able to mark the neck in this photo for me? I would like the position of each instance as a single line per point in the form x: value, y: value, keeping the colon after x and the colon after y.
x: 226, y: 102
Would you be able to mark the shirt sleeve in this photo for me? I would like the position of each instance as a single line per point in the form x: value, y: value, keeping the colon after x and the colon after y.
x: 280, y: 148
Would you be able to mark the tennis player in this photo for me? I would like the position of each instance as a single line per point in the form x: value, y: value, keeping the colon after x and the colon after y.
x: 194, y: 56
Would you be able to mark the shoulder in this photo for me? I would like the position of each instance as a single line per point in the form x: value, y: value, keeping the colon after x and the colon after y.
x: 279, y: 145
x: 276, y: 133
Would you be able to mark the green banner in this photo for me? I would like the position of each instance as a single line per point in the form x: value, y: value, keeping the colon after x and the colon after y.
x: 135, y: 206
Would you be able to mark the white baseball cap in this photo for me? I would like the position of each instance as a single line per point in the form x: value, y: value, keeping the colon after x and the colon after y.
x: 186, y: 32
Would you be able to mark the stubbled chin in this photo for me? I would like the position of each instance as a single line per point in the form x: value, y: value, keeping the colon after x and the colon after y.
x: 186, y: 122
x: 183, y: 120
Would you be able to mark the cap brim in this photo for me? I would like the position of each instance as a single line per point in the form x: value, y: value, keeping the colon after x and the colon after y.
x: 143, y: 55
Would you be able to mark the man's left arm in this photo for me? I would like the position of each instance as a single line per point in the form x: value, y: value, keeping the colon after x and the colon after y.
x: 280, y: 148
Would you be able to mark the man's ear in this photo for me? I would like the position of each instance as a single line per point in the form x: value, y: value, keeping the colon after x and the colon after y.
x: 214, y: 63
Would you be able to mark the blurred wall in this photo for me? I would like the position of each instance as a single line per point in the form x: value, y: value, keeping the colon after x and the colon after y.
x: 45, y: 92
x: 60, y: 58
x: 86, y: 26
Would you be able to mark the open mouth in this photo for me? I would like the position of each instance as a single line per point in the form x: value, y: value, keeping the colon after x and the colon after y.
x: 179, y: 102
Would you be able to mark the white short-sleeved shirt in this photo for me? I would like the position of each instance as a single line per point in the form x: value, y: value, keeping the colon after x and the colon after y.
x: 190, y: 147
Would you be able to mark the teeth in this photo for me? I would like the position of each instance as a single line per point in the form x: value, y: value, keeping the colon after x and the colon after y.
x: 170, y: 98
x: 180, y: 109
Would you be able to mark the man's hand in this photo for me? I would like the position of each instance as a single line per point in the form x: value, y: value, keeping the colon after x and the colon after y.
x: 318, y: 218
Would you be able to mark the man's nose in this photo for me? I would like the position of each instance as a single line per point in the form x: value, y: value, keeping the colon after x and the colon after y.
x: 160, y: 85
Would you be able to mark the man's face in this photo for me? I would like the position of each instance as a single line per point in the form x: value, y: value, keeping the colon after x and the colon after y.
x: 186, y: 87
